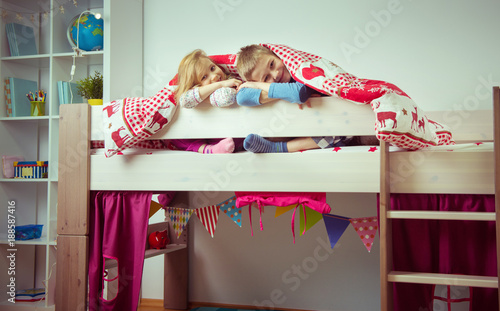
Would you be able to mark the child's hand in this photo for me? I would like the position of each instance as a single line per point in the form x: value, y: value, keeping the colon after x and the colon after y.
x: 307, y: 103
x: 231, y: 83
x: 255, y: 85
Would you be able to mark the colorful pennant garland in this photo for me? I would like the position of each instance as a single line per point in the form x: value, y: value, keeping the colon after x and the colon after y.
x: 335, y: 226
x: 365, y: 227
x: 209, y: 216
x: 280, y: 210
x: 311, y: 218
x: 179, y: 218
x: 229, y: 208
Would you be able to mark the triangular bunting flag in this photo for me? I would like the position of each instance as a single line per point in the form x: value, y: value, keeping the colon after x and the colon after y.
x: 153, y: 208
x: 366, y: 228
x: 280, y: 210
x: 229, y: 208
x: 335, y: 226
x: 208, y: 215
x: 179, y: 218
x: 312, y: 218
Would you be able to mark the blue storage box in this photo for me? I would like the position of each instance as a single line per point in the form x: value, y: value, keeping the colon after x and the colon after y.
x: 31, y: 169
x: 28, y: 232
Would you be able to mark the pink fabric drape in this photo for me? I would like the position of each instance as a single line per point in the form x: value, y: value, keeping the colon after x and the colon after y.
x: 118, y: 229
x: 313, y: 200
x: 457, y: 247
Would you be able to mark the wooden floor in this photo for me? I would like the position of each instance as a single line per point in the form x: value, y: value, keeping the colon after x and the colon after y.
x: 155, y: 308
x: 157, y: 305
x: 153, y: 305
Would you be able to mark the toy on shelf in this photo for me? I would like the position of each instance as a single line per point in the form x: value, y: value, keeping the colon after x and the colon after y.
x: 158, y: 239
x: 28, y: 232
x: 31, y: 169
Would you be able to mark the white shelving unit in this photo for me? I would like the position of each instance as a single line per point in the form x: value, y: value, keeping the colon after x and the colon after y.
x: 36, y: 138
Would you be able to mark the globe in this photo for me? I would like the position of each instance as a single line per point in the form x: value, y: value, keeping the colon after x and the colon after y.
x: 90, y: 34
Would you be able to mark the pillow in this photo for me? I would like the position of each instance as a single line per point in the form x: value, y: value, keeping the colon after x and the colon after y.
x: 132, y: 120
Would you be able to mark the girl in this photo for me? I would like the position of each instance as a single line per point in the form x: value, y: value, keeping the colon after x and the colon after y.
x: 198, y: 78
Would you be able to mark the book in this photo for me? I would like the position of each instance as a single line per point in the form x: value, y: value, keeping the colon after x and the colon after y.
x: 8, y: 102
x: 20, y: 104
x: 65, y: 89
x: 21, y: 39
x: 60, y: 92
x: 10, y: 31
x: 33, y: 294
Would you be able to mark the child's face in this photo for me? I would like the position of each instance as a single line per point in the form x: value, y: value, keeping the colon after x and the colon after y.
x: 270, y: 68
x: 210, y: 72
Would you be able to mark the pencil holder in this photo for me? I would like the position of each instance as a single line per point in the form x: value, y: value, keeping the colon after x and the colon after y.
x: 94, y: 102
x: 37, y: 108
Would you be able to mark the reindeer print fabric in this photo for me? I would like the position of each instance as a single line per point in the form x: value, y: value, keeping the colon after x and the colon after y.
x: 129, y: 122
x: 398, y: 120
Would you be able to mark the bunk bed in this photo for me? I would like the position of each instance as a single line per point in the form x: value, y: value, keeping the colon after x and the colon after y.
x: 380, y: 169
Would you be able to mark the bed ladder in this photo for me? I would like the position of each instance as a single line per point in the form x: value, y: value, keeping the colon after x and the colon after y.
x: 387, y: 276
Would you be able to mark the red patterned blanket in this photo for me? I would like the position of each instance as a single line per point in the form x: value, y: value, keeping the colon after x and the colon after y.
x: 398, y: 120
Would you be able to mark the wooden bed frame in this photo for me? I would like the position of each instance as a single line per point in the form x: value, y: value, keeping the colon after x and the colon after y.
x: 80, y: 172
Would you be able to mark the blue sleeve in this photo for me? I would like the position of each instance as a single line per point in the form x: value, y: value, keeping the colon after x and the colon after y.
x: 294, y: 92
x: 248, y: 97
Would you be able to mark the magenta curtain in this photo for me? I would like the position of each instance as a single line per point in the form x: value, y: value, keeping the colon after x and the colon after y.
x: 445, y: 246
x: 118, y: 229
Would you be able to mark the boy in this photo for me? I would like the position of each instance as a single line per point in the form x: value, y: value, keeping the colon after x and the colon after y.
x: 268, y: 79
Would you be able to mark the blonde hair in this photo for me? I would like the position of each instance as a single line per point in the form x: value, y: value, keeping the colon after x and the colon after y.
x: 248, y: 56
x: 188, y: 74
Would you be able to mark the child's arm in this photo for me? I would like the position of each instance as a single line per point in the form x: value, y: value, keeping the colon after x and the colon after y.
x: 257, y: 93
x: 223, y: 97
x: 206, y: 90
x: 196, y: 95
x: 252, y: 97
x: 293, y: 92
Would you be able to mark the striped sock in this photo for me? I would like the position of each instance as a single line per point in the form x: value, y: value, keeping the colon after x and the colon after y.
x: 258, y: 144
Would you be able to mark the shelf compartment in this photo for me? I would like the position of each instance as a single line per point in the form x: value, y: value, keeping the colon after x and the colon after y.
x: 38, y: 60
x: 155, y: 252
x: 27, y: 118
x: 21, y: 180
x: 40, y: 241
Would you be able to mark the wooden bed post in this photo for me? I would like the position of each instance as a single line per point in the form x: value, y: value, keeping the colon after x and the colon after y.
x: 176, y: 271
x: 496, y: 141
x: 73, y: 207
x: 386, y: 287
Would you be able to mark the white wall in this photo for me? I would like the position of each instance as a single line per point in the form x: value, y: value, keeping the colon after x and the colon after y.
x: 439, y: 52
x: 444, y: 54
x: 267, y: 269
